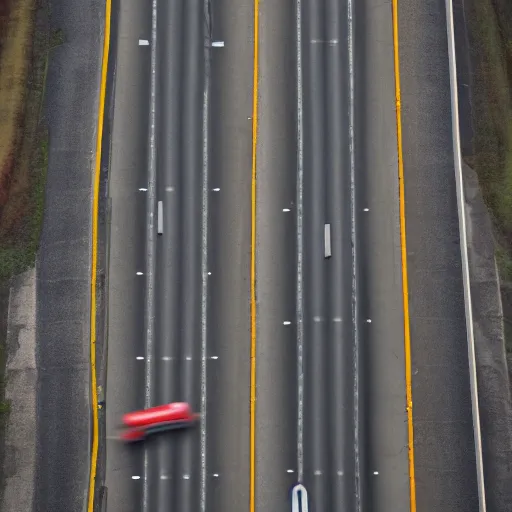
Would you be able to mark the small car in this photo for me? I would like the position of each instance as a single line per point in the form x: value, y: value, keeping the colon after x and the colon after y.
x: 140, y: 424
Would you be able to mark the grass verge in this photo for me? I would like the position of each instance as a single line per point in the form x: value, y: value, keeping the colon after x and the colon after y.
x: 25, y: 43
x: 491, y: 57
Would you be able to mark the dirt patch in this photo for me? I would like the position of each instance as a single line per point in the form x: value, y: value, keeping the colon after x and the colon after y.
x: 490, y: 33
x: 15, y: 47
x: 25, y: 42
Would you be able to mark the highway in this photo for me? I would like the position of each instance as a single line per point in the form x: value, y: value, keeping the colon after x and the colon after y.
x: 329, y: 338
x: 354, y: 383
x: 189, y: 320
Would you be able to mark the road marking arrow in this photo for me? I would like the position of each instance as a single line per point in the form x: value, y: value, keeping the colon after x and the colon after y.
x: 299, y: 499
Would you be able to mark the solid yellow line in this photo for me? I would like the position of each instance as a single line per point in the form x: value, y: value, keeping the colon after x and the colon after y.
x: 94, y: 257
x: 405, y: 285
x: 252, y: 483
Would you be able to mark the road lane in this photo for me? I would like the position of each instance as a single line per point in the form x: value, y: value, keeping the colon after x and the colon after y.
x: 339, y: 315
x: 174, y: 461
x: 315, y: 386
x: 229, y: 238
x: 125, y: 374
x: 379, y: 255
x: 170, y: 15
x: 276, y: 256
x: 329, y: 454
x: 188, y: 493
x: 355, y: 444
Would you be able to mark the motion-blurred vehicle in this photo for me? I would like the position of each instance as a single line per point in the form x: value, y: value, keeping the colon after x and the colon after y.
x: 141, y: 424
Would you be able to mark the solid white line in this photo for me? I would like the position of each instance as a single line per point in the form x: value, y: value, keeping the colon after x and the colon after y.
x: 160, y: 219
x: 327, y: 241
x: 464, y: 256
x: 299, y: 305
x: 150, y: 246
x: 204, y: 270
x: 354, y: 253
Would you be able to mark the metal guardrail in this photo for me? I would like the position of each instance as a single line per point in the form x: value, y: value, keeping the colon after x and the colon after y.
x: 464, y: 254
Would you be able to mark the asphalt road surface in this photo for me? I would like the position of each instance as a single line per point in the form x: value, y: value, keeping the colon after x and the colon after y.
x: 126, y: 331
x: 329, y: 349
x: 188, y: 307
x: 229, y: 244
x: 444, y: 442
x: 354, y: 385
x: 63, y: 263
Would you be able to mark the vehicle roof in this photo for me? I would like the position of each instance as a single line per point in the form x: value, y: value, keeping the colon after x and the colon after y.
x: 166, y: 412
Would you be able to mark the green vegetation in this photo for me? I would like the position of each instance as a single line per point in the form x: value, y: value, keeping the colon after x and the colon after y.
x: 5, y: 407
x: 491, y: 48
x: 56, y: 38
x: 18, y: 249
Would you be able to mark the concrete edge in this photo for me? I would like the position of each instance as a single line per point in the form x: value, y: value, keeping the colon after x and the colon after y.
x: 466, y: 277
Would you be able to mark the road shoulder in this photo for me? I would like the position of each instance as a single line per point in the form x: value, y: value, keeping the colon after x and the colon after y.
x: 63, y: 263
x: 443, y: 429
x: 381, y: 285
